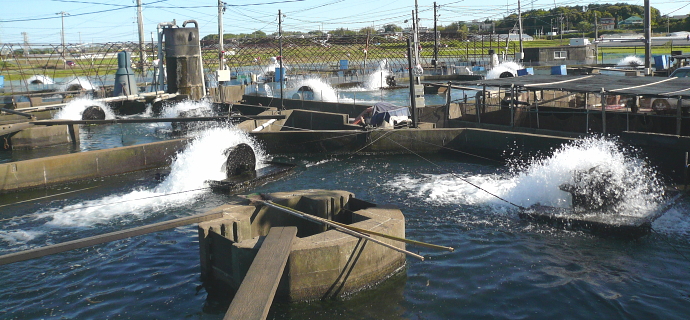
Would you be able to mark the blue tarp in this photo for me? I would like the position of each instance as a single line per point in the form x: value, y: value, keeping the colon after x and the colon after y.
x: 383, y: 111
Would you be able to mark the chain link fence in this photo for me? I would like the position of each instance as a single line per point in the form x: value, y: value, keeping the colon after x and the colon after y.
x: 36, y: 68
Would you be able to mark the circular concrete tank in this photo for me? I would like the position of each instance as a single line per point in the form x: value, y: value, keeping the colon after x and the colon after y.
x: 323, y: 263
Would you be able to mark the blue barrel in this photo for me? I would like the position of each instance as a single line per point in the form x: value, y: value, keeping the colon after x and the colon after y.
x: 661, y: 62
x: 525, y: 71
x: 280, y: 73
x: 559, y: 70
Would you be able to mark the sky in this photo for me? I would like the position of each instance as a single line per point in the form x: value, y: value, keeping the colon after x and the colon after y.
x: 101, y: 21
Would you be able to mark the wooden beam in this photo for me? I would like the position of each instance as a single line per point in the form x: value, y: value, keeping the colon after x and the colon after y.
x: 255, y: 295
x: 103, y: 238
x: 151, y: 120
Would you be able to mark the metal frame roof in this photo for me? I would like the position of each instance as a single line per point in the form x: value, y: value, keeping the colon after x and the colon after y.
x: 641, y: 86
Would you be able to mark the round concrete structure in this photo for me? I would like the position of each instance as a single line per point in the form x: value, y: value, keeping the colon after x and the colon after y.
x: 323, y: 263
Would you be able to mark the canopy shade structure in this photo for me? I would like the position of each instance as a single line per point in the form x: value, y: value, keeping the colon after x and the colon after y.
x: 625, y: 85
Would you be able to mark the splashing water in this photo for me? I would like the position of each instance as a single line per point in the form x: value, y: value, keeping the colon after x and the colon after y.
x: 40, y: 79
x: 78, y: 83
x: 74, y: 109
x: 272, y: 66
x: 202, y: 160
x: 538, y: 180
x: 630, y: 61
x: 322, y: 90
x: 507, y: 66
x: 377, y: 79
x: 193, y: 108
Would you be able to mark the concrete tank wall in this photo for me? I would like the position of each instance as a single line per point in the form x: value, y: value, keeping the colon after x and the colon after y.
x: 48, y: 171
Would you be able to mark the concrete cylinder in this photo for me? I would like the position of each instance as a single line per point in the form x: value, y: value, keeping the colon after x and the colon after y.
x: 125, y: 82
x: 183, y: 61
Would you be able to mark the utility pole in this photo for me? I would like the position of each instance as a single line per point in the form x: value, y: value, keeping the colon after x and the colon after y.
x: 647, y: 39
x: 140, y: 25
x: 561, y: 28
x: 520, y: 30
x: 221, y: 9
x: 596, y: 26
x: 280, y: 42
x: 62, y: 35
x: 26, y: 43
x: 435, y: 39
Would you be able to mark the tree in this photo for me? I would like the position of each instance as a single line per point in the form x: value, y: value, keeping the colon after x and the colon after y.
x: 258, y: 34
x: 392, y: 28
x: 342, y: 32
x: 367, y: 30
x: 584, y: 26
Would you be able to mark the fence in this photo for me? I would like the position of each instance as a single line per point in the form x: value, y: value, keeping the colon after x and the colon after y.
x: 32, y: 68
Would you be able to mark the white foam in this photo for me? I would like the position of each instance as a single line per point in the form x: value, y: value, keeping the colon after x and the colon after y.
x: 18, y: 237
x: 537, y: 181
x: 202, y: 160
x: 377, y: 79
x: 73, y: 109
x: 200, y: 108
x: 82, y: 83
x: 630, y: 61
x: 322, y: 90
x: 507, y: 66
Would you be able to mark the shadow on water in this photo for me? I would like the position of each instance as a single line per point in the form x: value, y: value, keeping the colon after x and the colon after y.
x: 384, y: 301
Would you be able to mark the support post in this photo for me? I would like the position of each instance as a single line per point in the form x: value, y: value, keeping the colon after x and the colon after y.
x: 512, y: 105
x: 603, y: 111
x: 536, y: 106
x: 586, y: 112
x: 647, y: 39
x: 413, y: 100
x: 282, y: 72
x: 447, y: 117
x: 679, y: 115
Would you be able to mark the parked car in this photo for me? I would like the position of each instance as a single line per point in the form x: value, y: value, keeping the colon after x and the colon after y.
x: 668, y: 105
x: 681, y: 72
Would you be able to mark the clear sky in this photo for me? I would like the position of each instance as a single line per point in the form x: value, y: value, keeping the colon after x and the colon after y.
x: 115, y: 20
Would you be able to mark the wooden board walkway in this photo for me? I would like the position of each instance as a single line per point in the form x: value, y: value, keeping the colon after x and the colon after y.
x: 255, y: 295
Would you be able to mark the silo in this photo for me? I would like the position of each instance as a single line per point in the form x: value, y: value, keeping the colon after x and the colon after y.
x: 183, y: 61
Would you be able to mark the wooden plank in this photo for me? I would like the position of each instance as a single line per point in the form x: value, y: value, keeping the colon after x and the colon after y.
x: 6, y: 129
x: 255, y: 295
x: 117, y: 235
x: 152, y: 120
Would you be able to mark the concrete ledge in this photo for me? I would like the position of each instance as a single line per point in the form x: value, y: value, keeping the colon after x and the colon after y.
x: 44, y: 136
x: 48, y: 171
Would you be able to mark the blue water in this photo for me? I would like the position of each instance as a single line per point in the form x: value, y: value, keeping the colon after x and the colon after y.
x: 502, y: 268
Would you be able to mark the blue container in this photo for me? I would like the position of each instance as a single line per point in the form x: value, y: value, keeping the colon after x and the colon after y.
x: 477, y: 68
x: 344, y: 64
x: 661, y: 62
x: 525, y: 71
x: 280, y: 73
x: 559, y: 70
